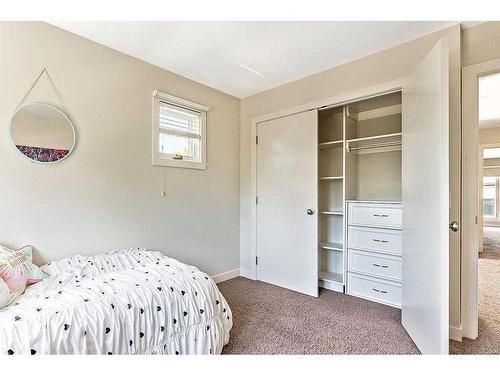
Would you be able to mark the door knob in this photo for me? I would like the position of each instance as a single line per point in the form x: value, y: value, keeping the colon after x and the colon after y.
x: 454, y: 226
x: 310, y: 211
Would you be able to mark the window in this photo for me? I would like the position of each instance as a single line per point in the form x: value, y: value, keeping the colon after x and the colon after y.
x: 491, y: 153
x: 489, y: 197
x: 179, y: 132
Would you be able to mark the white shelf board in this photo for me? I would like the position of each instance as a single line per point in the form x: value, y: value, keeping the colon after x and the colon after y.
x: 331, y: 246
x: 338, y: 213
x: 379, y: 112
x: 375, y: 137
x: 331, y: 144
x: 373, y: 201
x: 331, y: 178
x: 375, y: 144
x: 332, y: 277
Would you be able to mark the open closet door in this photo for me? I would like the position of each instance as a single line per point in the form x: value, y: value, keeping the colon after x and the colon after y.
x: 426, y: 203
x: 287, y: 190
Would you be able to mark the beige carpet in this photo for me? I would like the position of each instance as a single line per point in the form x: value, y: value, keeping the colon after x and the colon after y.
x: 272, y: 320
x: 488, y: 341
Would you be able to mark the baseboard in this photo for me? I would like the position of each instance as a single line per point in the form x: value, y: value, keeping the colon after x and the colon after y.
x: 456, y: 334
x: 226, y: 275
x: 246, y: 273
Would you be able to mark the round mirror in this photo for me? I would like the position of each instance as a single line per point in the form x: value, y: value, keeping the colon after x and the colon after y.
x: 42, y: 133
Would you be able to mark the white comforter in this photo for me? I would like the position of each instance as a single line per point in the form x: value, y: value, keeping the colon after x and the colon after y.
x: 120, y: 302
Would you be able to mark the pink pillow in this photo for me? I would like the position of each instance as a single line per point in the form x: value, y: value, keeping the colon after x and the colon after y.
x: 17, y: 268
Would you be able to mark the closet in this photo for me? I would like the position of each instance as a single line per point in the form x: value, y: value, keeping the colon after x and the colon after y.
x: 359, y: 159
x: 352, y: 195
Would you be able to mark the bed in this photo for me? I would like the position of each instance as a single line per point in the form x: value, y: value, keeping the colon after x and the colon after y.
x: 120, y: 302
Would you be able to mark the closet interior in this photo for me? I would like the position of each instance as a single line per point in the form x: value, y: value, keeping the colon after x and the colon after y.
x: 359, y: 159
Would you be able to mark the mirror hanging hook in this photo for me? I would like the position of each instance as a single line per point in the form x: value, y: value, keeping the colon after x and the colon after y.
x: 44, y: 70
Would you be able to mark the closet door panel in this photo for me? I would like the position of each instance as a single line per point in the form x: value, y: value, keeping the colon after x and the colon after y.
x: 287, y: 187
x: 425, y: 285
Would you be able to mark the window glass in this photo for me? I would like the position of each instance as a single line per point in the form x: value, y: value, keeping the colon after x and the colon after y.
x: 172, y: 144
x: 489, y: 196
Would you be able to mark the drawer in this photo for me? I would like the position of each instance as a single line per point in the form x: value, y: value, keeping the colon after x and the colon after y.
x: 387, y: 241
x: 378, y: 265
x: 387, y: 215
x: 374, y: 289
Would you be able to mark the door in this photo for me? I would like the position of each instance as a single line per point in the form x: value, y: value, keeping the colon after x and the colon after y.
x: 287, y: 191
x: 426, y: 203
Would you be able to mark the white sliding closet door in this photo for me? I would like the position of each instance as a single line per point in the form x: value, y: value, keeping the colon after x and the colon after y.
x: 287, y: 187
x: 426, y: 203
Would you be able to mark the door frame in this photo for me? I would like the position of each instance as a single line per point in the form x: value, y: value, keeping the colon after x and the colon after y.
x: 470, y: 193
x: 334, y: 101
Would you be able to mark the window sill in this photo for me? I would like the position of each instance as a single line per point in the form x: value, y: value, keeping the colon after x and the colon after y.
x: 167, y: 162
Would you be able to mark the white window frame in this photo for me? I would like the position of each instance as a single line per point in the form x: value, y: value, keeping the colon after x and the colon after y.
x: 160, y: 159
x: 495, y: 204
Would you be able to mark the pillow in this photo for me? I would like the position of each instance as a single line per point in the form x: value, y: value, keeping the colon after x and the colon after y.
x: 110, y: 261
x: 17, y: 268
x: 6, y: 296
x: 63, y: 265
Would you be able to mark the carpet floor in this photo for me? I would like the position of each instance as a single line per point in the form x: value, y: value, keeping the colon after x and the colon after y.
x: 271, y: 320
x: 488, y: 341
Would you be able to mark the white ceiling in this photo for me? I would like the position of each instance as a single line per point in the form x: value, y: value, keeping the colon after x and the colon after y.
x: 245, y: 58
x: 489, y: 101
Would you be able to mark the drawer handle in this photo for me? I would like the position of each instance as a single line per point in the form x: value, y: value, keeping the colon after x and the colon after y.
x: 379, y: 291
x: 382, y: 241
x: 380, y: 215
x: 381, y: 266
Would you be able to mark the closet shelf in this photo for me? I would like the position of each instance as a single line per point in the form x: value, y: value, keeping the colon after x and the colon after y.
x: 379, y: 112
x: 331, y: 178
x: 331, y: 246
x: 339, y: 213
x: 332, y: 277
x: 376, y: 137
x: 383, y: 142
x: 331, y: 144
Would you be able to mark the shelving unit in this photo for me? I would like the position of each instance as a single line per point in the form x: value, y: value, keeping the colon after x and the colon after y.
x: 331, y: 199
x: 359, y: 159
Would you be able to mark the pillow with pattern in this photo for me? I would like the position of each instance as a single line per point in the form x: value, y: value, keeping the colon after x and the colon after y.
x: 67, y: 264
x: 17, y: 268
x: 6, y: 296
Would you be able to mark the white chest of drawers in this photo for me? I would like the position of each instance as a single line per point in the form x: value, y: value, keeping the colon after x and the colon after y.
x: 374, y: 249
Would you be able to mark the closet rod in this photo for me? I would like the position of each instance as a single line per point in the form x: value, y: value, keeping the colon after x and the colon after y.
x: 374, y: 145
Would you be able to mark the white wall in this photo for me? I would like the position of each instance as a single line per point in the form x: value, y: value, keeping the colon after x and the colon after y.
x: 107, y: 194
